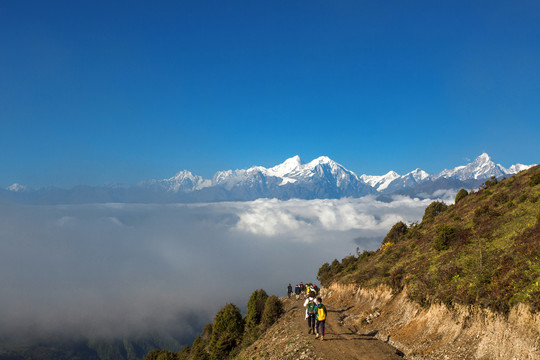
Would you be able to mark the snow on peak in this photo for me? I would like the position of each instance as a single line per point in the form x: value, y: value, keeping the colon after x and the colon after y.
x: 380, y: 182
x: 322, y: 160
x: 185, y: 181
x: 17, y: 187
x: 481, y: 168
x: 483, y: 158
x: 184, y: 174
x: 419, y: 174
x: 286, y: 167
x: 514, y: 169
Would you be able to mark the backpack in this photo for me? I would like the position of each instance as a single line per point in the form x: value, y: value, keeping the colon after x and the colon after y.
x: 321, y: 315
x: 311, y: 307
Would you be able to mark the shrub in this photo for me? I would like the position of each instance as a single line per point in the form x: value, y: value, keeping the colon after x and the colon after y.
x: 434, y: 209
x: 227, y: 331
x: 460, y: 195
x: 501, y: 197
x: 272, y: 311
x: 535, y: 180
x: 396, y: 279
x: 396, y: 232
x: 324, y: 273
x: 348, y: 263
x: 483, y: 213
x: 445, y: 235
x: 489, y: 183
x: 160, y: 355
x: 255, y: 309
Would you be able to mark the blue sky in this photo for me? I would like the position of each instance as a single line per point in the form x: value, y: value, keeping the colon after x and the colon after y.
x: 119, y: 92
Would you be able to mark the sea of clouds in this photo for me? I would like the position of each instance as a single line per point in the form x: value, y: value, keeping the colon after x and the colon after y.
x: 127, y: 269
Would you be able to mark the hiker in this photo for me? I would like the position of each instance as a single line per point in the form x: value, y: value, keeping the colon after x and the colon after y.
x: 289, y: 290
x: 297, y: 291
x: 311, y: 308
x: 311, y: 291
x: 320, y: 316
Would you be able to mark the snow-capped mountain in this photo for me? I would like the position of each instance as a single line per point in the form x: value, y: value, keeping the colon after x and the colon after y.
x: 17, y: 188
x: 380, y: 182
x: 482, y: 168
x: 183, y: 181
x: 291, y: 171
x: 472, y: 174
x: 320, y: 178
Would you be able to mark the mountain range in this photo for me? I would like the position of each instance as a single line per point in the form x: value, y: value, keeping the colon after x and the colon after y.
x: 322, y: 178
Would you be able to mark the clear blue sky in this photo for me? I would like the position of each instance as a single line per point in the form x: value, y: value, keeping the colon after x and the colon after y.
x: 96, y: 92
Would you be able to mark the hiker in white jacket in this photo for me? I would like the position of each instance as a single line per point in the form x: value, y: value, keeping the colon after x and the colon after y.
x: 311, y: 309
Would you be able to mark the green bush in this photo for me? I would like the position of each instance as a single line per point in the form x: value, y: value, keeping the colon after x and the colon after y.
x: 490, y: 183
x: 396, y: 232
x: 324, y: 273
x: 272, y: 311
x: 535, y: 180
x: 460, y: 195
x: 227, y: 331
x: 445, y: 236
x: 434, y: 209
x: 255, y: 309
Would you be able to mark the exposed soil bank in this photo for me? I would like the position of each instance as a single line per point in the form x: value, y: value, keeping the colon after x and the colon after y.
x: 436, y: 332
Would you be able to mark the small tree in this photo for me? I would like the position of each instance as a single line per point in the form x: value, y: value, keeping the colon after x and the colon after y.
x: 445, y: 235
x: 255, y: 309
x: 272, y: 311
x: 460, y: 195
x: 227, y: 331
x: 396, y: 232
x: 434, y: 209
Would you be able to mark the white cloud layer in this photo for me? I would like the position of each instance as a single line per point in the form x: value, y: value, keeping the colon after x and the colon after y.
x: 117, y: 269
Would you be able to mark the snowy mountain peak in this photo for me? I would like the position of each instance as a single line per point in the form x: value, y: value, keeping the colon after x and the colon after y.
x: 514, y: 169
x: 184, y: 174
x: 481, y: 168
x: 483, y: 157
x: 17, y: 188
x: 286, y: 167
x: 419, y: 174
x: 322, y: 160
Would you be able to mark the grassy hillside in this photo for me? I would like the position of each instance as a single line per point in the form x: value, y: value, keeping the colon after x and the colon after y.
x: 482, y: 250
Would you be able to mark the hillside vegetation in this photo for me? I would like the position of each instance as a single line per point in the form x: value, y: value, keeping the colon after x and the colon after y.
x: 229, y: 333
x: 482, y: 250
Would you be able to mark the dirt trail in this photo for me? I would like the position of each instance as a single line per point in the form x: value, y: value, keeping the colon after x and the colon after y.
x: 341, y: 342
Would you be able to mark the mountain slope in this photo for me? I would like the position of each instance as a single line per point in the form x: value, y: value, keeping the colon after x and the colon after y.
x: 483, y: 250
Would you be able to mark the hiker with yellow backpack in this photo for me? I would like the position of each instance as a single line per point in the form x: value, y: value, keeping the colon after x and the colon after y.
x: 320, y: 316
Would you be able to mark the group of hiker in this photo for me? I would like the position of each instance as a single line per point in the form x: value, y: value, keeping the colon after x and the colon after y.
x: 315, y: 310
x: 303, y: 291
